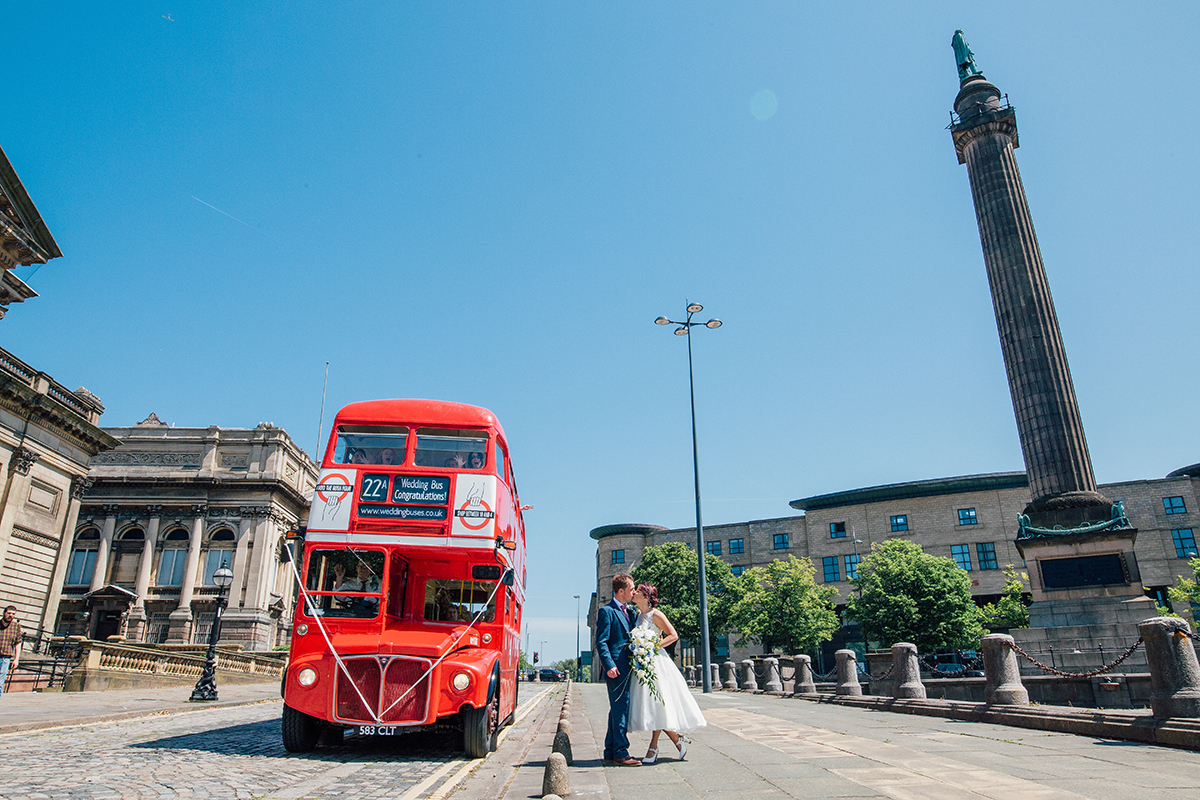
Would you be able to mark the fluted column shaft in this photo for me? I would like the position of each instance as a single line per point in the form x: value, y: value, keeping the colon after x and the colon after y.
x: 1039, y: 378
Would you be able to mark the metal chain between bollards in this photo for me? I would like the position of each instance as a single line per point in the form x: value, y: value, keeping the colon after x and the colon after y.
x: 975, y: 663
x: 1017, y: 649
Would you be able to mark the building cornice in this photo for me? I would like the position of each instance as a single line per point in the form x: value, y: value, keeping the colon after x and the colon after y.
x: 905, y: 491
x: 624, y: 528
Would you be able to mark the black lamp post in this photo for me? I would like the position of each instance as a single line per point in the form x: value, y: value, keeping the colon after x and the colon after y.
x: 578, y: 652
x: 206, y: 687
x: 685, y: 329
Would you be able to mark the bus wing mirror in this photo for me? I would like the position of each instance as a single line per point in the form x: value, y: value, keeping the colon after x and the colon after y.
x: 510, y: 578
x: 508, y: 544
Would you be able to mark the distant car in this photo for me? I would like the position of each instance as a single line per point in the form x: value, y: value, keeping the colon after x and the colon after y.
x: 955, y: 671
x: 550, y: 674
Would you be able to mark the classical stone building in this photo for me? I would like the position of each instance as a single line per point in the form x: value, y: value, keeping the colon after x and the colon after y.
x: 165, y: 510
x: 24, y: 238
x: 48, y: 434
x: 972, y: 519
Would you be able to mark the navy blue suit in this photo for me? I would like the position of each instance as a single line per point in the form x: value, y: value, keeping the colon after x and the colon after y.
x: 612, y: 641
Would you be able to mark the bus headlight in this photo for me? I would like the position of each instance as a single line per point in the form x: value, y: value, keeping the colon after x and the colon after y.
x: 306, y: 676
x: 461, y: 681
x: 301, y: 629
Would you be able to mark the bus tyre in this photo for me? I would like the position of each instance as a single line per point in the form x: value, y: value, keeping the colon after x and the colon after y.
x: 300, y: 731
x: 480, y: 726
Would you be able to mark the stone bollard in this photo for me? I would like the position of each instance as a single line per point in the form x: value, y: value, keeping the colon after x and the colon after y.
x: 562, y: 744
x: 749, y: 682
x: 714, y: 672
x: 1174, y: 671
x: 804, y: 676
x: 555, y: 780
x: 847, y: 674
x: 906, y: 673
x: 689, y: 675
x: 771, y: 681
x: 565, y: 726
x: 729, y: 670
x: 1003, y: 674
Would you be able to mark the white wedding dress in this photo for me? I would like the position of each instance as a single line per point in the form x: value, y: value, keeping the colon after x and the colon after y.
x: 678, y: 712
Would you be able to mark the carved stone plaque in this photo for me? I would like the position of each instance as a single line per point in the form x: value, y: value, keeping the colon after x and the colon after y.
x: 143, y: 459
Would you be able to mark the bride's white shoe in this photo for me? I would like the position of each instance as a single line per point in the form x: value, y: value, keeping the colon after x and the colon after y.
x: 651, y: 757
x: 682, y: 745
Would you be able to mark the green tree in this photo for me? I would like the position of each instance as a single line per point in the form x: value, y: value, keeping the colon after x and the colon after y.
x: 781, y: 604
x: 673, y: 569
x: 906, y: 595
x: 1011, y: 611
x: 1187, y: 590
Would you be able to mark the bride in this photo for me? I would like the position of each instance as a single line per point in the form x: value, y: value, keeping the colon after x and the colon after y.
x: 677, y: 712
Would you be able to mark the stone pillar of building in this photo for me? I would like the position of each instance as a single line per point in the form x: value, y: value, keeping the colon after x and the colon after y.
x: 16, y: 488
x: 1039, y: 379
x: 79, y: 486
x: 138, y: 623
x: 252, y: 624
x: 104, y: 548
x: 181, y: 618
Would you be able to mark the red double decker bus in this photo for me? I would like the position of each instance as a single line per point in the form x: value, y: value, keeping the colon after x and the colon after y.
x: 412, y: 579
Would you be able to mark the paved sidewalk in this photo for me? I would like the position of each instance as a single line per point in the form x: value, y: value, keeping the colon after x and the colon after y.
x: 27, y: 711
x: 761, y: 746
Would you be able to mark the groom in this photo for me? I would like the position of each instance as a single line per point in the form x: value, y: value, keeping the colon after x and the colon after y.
x: 614, y: 620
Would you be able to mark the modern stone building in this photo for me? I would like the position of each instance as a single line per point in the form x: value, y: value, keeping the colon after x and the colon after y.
x: 164, y: 511
x: 972, y: 519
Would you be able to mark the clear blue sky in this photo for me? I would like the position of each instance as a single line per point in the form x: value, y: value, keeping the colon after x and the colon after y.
x: 492, y: 202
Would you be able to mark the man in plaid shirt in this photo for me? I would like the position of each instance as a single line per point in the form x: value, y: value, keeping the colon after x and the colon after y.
x: 10, y: 643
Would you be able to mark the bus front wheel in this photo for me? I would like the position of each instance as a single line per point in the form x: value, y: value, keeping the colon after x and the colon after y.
x: 480, y: 726
x: 300, y: 731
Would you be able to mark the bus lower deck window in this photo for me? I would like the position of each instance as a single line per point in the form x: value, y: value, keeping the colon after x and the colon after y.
x: 459, y: 601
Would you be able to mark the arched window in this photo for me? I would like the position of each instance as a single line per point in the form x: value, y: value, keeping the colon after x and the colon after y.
x: 174, y: 556
x: 220, y: 553
x: 83, y: 558
x: 127, y: 553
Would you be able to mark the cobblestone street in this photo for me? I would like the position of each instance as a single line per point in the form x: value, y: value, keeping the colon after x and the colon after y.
x: 220, y: 753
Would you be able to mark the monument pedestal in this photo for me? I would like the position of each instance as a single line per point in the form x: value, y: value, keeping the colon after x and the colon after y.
x: 1088, y: 597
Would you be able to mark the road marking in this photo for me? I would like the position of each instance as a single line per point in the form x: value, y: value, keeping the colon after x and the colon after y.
x: 303, y: 788
x: 433, y: 777
x: 446, y: 788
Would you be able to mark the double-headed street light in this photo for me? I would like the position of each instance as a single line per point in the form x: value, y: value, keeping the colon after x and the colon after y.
x: 685, y: 329
x: 206, y: 687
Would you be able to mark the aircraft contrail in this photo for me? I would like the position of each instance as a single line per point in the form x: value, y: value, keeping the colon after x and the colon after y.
x: 231, y: 216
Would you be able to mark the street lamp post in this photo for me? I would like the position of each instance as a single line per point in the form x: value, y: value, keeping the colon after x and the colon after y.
x: 206, y: 687
x: 685, y: 329
x: 578, y: 653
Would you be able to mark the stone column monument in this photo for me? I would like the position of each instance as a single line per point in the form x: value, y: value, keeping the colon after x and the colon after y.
x: 1080, y: 540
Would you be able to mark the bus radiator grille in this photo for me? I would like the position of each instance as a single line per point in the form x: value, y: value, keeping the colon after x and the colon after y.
x: 401, y: 673
x: 365, y: 674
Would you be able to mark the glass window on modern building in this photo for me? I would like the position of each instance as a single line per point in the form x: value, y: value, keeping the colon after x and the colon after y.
x: 961, y: 553
x: 899, y: 523
x: 966, y: 516
x: 713, y: 548
x: 737, y: 546
x: 831, y: 569
x: 852, y: 566
x: 837, y: 530
x: 781, y: 541
x: 987, y: 555
x: 618, y: 556
x: 737, y: 570
x: 1185, y: 543
x: 1174, y: 505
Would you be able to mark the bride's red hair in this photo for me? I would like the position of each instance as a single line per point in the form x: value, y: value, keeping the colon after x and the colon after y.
x: 650, y: 592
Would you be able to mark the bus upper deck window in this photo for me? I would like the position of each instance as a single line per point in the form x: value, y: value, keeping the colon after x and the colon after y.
x: 451, y: 449
x: 371, y: 444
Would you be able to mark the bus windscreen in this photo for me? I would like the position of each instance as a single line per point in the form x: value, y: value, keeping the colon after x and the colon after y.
x: 345, y: 582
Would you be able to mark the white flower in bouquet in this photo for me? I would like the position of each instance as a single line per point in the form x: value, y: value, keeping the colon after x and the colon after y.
x: 643, y: 645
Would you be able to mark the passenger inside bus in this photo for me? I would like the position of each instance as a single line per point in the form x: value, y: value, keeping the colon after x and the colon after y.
x: 389, y: 457
x: 459, y: 601
x: 345, y: 570
x: 476, y: 461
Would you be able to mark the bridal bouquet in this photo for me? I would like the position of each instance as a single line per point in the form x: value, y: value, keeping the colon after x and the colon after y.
x: 643, y: 645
